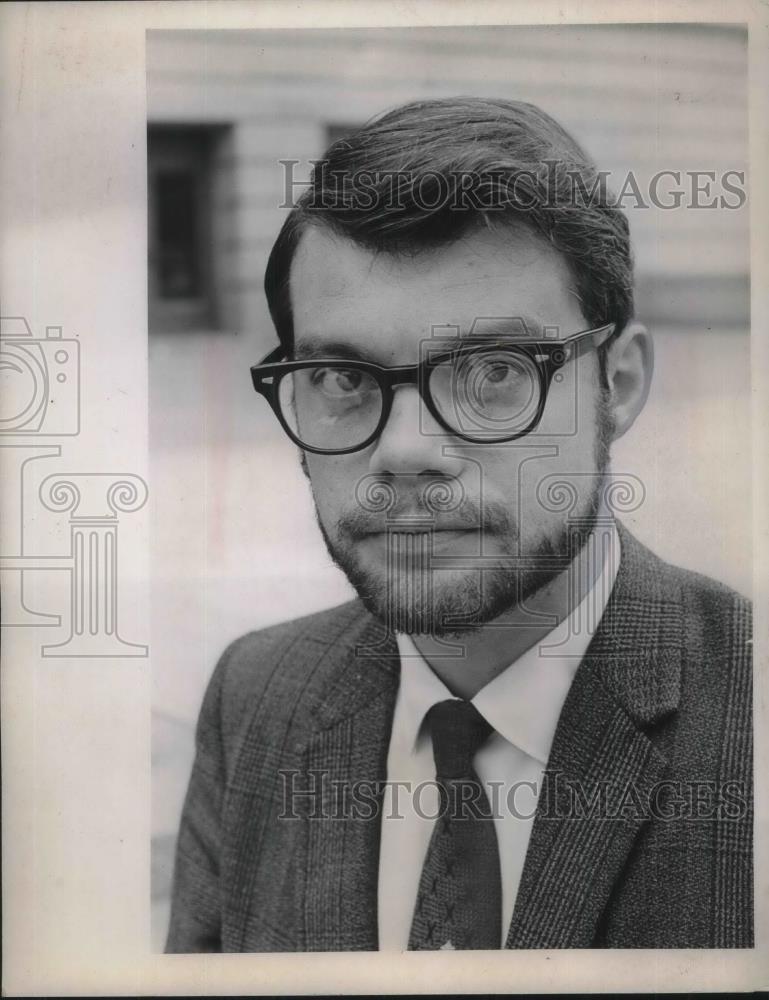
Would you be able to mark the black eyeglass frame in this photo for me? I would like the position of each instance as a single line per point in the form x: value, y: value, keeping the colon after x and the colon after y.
x: 548, y: 355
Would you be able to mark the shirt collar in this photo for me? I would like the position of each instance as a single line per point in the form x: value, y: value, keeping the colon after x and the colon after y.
x: 419, y: 689
x: 524, y: 702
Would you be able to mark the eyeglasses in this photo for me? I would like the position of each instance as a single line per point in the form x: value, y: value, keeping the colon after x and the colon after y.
x: 487, y: 392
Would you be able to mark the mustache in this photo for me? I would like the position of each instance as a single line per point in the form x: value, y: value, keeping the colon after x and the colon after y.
x: 440, y: 505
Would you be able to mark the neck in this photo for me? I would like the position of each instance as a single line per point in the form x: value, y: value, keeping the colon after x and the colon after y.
x: 490, y: 649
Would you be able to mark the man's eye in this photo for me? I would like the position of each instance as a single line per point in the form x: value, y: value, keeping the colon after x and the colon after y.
x: 499, y: 371
x: 337, y: 381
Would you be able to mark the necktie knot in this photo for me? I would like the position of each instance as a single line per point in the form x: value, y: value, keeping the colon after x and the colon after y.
x: 458, y: 731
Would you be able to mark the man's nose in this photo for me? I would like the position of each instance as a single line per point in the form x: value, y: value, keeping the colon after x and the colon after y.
x: 412, y: 441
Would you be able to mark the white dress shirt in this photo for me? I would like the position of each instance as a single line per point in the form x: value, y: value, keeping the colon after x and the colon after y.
x: 523, y: 705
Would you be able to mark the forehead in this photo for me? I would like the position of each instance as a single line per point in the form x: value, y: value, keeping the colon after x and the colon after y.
x: 387, y: 303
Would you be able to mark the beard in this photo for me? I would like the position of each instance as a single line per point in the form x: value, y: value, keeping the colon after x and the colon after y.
x: 412, y: 593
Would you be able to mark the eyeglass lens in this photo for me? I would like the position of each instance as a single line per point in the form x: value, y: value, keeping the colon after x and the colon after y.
x: 329, y: 407
x: 483, y: 395
x: 486, y: 394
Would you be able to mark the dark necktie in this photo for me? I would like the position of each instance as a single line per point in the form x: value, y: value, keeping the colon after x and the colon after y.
x: 459, y: 903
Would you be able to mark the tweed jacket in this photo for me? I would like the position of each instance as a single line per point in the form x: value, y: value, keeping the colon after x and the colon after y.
x: 659, y: 712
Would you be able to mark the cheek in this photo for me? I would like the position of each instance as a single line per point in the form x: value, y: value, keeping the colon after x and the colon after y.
x: 322, y: 478
x: 569, y: 421
x: 332, y: 480
x: 558, y: 473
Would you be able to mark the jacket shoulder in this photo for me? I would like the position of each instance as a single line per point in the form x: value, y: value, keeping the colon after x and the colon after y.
x: 714, y: 612
x: 280, y: 666
x: 702, y: 637
x: 669, y: 634
x: 701, y: 595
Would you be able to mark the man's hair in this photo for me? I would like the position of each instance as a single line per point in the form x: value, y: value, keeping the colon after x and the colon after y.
x: 427, y: 173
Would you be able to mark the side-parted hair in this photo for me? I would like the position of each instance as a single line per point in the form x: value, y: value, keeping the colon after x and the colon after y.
x: 425, y: 174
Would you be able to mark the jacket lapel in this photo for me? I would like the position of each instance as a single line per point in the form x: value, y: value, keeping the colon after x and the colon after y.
x: 349, y: 749
x: 602, y: 765
x: 291, y: 882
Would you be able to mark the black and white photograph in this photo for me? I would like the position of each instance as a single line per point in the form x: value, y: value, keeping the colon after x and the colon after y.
x: 383, y: 396
x: 483, y: 524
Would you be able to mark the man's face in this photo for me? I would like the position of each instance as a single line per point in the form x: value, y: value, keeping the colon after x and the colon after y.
x: 468, y: 530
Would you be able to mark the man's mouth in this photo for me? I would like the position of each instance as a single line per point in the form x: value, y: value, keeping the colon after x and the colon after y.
x: 419, y: 530
x: 416, y: 527
x: 426, y: 539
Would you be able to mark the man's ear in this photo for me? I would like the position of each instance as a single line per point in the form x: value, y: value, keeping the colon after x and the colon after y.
x: 629, y: 368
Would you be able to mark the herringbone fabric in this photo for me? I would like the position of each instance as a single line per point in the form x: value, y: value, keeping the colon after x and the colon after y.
x: 459, y: 901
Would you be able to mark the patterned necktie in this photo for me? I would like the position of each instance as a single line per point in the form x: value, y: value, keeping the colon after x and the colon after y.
x: 459, y: 903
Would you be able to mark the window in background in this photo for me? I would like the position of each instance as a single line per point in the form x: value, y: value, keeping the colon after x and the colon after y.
x: 180, y: 163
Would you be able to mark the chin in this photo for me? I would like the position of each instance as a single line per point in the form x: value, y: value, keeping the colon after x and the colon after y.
x: 436, y: 603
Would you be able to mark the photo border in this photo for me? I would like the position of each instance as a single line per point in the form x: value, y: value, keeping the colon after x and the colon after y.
x: 76, y: 789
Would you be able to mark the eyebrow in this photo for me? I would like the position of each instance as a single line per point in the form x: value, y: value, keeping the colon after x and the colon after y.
x: 309, y: 348
x: 521, y: 328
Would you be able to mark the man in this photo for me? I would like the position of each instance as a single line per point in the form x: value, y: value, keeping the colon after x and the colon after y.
x: 529, y: 731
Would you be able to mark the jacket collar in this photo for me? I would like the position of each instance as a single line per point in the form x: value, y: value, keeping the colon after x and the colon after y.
x: 628, y: 680
x: 638, y: 647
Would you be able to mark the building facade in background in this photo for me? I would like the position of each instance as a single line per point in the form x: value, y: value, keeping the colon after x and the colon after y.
x: 225, y: 108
